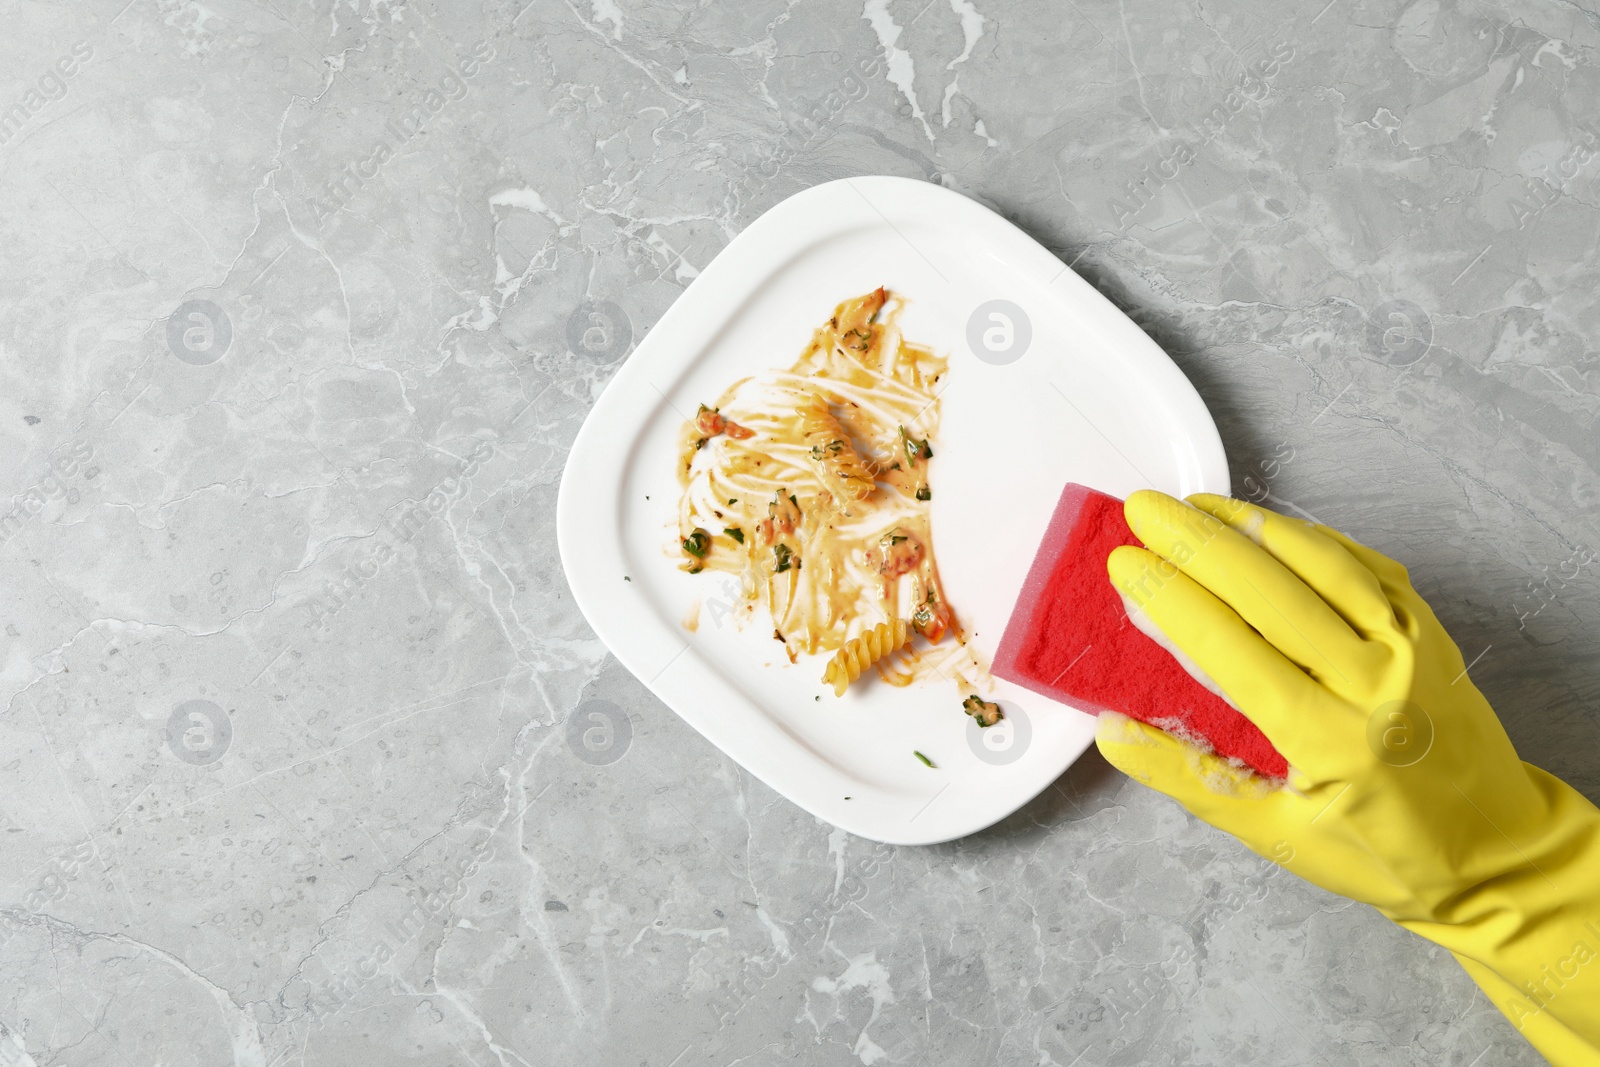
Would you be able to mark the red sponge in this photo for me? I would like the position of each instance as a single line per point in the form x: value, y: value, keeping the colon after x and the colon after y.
x: 1069, y: 639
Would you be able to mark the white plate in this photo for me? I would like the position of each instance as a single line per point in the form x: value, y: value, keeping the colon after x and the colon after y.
x: 1092, y: 400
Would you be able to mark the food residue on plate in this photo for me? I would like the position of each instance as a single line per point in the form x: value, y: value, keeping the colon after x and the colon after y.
x: 812, y: 487
x: 987, y: 712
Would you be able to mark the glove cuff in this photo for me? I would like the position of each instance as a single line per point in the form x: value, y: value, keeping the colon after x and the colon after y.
x: 1530, y: 936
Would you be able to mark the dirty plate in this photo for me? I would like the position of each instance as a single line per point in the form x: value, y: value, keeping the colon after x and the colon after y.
x: 1048, y: 383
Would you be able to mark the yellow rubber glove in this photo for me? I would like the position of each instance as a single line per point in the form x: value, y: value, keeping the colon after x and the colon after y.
x: 1404, y: 791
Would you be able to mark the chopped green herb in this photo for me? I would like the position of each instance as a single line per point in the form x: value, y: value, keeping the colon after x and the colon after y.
x: 924, y: 493
x: 698, y: 445
x: 777, y: 508
x: 921, y: 757
x: 783, y: 558
x: 626, y: 578
x: 697, y: 544
x: 914, y: 448
x: 735, y: 533
x: 732, y: 500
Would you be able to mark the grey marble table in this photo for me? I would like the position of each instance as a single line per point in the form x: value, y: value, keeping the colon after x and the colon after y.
x: 304, y: 303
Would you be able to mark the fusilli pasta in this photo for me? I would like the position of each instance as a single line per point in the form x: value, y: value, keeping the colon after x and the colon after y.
x: 862, y: 651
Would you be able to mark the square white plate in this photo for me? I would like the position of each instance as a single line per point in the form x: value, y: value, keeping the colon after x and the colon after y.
x: 1092, y: 400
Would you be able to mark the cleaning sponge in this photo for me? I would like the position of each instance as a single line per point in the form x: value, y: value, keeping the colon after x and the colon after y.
x: 1070, y: 639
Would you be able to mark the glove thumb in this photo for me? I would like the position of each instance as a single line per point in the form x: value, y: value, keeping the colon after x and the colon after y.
x: 1211, y: 788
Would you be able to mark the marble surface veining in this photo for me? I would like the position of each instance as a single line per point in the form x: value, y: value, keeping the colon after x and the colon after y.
x: 304, y: 303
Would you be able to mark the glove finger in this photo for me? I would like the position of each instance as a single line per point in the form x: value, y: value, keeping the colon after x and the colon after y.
x: 1345, y: 583
x: 1220, y: 649
x: 1265, y: 593
x: 1211, y: 788
x: 1408, y: 607
x: 1390, y: 573
x: 1406, y: 603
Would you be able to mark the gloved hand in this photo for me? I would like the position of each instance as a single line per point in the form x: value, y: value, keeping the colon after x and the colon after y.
x: 1404, y: 791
